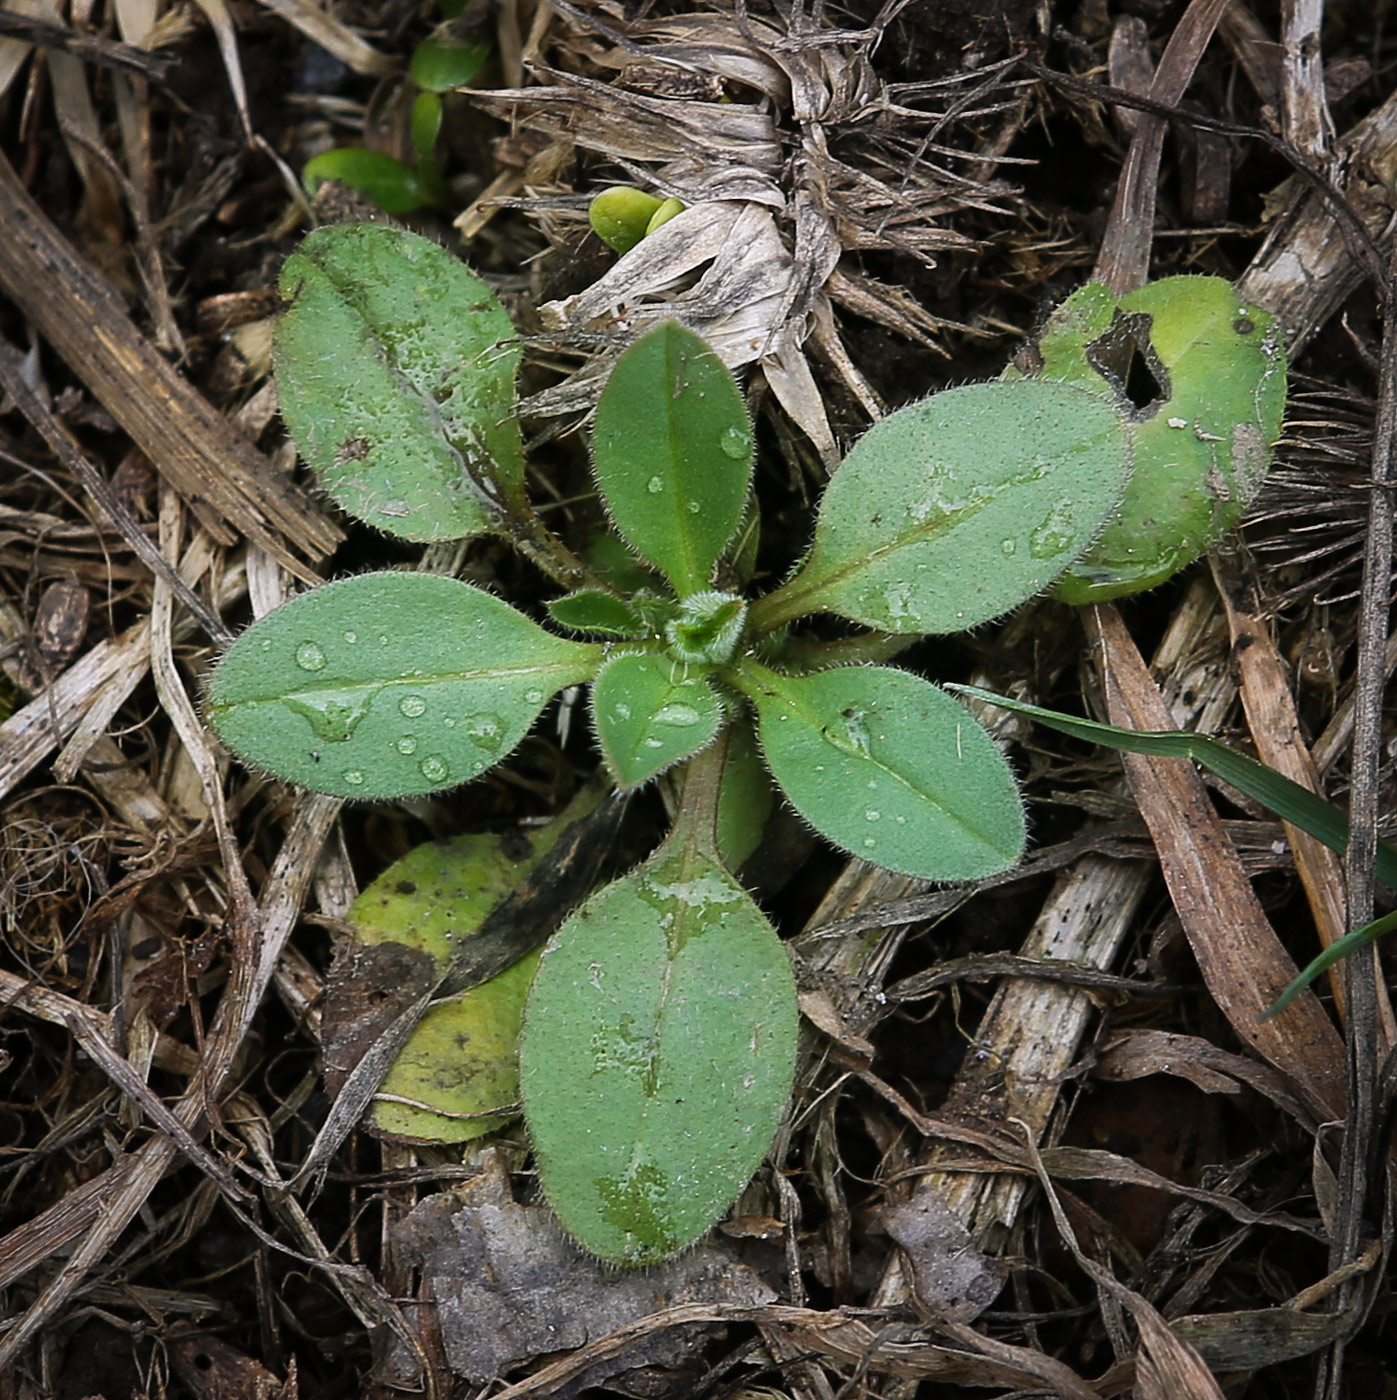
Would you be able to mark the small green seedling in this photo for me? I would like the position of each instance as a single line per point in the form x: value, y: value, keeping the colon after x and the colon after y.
x: 446, y: 60
x: 659, y: 1037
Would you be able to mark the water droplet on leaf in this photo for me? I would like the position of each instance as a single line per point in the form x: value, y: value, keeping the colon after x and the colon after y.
x: 412, y: 706
x: 334, y: 716
x: 856, y: 730
x: 309, y: 657
x: 407, y: 744
x: 654, y: 486
x: 735, y: 443
x: 434, y: 768
x: 678, y: 715
x: 1051, y: 538
x: 485, y: 730
x: 353, y: 777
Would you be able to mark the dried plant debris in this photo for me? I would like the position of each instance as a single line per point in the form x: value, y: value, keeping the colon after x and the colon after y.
x: 952, y: 1279
x: 1312, y: 516
x: 510, y: 1287
x: 790, y: 153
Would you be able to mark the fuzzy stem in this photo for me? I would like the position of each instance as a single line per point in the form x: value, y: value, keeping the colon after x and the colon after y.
x: 696, y: 820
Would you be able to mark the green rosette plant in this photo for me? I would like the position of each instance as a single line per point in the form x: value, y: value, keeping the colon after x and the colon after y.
x: 658, y: 1043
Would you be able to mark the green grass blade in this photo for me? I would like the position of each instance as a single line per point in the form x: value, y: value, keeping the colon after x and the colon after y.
x: 1288, y: 800
x: 1340, y: 948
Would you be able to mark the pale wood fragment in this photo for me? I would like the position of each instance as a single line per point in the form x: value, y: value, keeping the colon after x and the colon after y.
x: 226, y: 481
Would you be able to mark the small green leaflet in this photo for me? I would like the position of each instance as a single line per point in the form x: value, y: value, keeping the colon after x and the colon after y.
x: 395, y: 373
x: 388, y: 684
x: 593, y: 610
x: 890, y: 768
x: 446, y: 60
x: 673, y: 453
x: 657, y: 1057
x: 649, y: 714
x: 621, y: 216
x: 395, y: 187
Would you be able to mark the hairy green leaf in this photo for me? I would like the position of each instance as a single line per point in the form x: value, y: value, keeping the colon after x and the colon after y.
x: 674, y: 452
x: 890, y: 768
x: 594, y: 610
x: 706, y: 628
x: 956, y: 509
x: 649, y: 714
x: 1201, y: 375
x: 657, y: 1057
x: 388, y: 684
x: 395, y: 374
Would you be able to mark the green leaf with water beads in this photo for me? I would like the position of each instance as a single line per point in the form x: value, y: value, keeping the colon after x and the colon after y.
x: 673, y: 453
x: 956, y: 509
x: 388, y: 685
x: 395, y: 374
x: 1215, y: 365
x: 649, y: 713
x: 657, y: 1056
x: 889, y: 768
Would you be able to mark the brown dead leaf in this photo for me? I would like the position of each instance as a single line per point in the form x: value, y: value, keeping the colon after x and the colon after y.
x: 951, y: 1278
x: 509, y: 1287
x: 1241, y: 959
